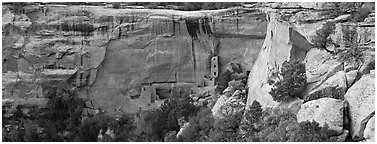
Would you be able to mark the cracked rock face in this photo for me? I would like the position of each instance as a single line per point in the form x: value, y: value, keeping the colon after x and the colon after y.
x: 106, y: 53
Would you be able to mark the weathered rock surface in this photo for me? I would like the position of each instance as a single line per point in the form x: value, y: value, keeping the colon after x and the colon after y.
x: 118, y: 50
x: 282, y: 43
x: 324, y: 111
x: 361, y: 97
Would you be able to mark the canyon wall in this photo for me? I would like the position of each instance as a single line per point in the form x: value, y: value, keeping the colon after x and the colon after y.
x: 128, y: 60
x: 113, y: 56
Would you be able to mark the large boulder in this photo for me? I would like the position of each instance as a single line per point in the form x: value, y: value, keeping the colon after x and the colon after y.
x: 360, y: 96
x: 282, y: 43
x: 323, y: 111
x: 228, y: 106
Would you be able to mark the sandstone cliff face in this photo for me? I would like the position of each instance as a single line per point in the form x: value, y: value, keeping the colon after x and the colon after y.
x: 282, y: 43
x: 113, y: 55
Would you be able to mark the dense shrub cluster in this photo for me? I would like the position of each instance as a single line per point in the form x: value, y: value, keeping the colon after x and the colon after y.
x: 239, y: 77
x: 226, y: 130
x: 274, y: 127
x: 57, y: 122
x: 292, y: 84
x: 251, y: 120
x: 199, y: 126
x: 62, y: 120
x: 253, y: 114
x: 173, y: 109
x: 312, y: 132
x: 25, y: 130
x: 123, y: 128
x: 205, y: 128
x: 258, y: 125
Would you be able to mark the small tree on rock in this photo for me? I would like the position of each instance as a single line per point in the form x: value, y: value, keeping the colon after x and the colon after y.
x: 292, y: 84
x: 321, y: 38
